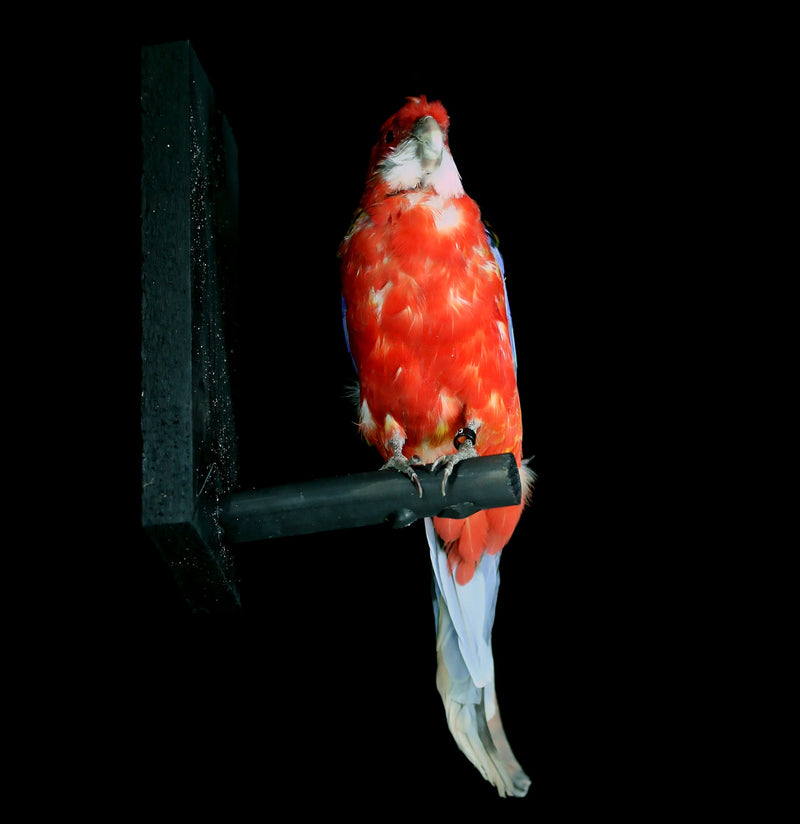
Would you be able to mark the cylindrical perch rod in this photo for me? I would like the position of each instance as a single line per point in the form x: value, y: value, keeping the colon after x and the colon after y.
x: 369, y: 498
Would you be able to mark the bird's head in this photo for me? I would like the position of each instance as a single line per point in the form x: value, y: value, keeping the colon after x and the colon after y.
x: 412, y: 151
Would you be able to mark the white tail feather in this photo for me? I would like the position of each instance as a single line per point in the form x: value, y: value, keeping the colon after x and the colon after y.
x: 465, y: 672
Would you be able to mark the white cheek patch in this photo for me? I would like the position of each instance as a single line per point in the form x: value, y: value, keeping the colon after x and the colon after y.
x: 403, y: 170
x: 446, y: 179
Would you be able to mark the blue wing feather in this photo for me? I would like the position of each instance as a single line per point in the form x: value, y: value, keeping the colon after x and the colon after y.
x: 346, y: 336
x: 494, y: 246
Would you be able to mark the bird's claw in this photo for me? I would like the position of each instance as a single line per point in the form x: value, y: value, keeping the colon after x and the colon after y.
x: 465, y: 451
x: 405, y: 466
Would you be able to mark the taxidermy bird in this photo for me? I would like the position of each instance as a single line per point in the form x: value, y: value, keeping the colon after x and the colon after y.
x: 428, y: 326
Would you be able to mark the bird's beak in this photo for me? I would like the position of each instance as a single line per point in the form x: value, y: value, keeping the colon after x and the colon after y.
x: 429, y: 136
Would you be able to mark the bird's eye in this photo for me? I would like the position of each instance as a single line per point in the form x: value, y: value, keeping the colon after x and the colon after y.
x: 389, y: 136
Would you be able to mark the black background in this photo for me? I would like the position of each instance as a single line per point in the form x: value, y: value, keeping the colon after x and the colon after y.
x: 321, y: 691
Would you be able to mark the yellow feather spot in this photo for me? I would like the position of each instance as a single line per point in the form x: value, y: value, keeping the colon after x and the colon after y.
x: 449, y: 406
x: 392, y: 428
x: 496, y: 403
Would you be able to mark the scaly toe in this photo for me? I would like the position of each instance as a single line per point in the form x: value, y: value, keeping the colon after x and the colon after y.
x: 405, y: 466
x: 448, y: 462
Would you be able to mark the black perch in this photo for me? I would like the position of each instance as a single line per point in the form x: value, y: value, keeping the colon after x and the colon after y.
x: 369, y: 498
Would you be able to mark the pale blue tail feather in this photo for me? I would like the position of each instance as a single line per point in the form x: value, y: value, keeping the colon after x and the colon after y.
x: 465, y: 667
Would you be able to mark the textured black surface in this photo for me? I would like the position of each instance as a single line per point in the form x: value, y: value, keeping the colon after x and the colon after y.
x: 189, y: 228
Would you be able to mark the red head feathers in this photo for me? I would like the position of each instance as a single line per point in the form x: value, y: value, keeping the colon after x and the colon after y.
x: 398, y: 127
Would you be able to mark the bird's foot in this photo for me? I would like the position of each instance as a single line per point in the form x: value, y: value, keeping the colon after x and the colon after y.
x: 465, y: 450
x: 404, y: 465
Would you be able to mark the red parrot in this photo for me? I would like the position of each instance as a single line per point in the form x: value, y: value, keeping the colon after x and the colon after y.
x: 429, y: 330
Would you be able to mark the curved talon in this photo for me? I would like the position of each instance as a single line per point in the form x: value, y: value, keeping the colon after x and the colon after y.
x: 405, y: 466
x: 465, y: 451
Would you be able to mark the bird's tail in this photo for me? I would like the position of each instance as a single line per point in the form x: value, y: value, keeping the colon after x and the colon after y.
x: 465, y: 667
